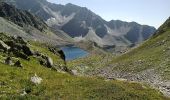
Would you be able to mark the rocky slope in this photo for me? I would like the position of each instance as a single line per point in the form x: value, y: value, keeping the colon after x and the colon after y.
x: 21, y: 18
x: 82, y: 24
x: 147, y: 63
x: 22, y: 23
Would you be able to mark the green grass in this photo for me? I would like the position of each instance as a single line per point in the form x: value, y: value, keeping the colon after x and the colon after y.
x: 63, y: 86
x: 96, y: 59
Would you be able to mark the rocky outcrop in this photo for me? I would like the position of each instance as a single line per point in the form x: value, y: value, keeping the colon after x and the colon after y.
x: 62, y: 55
x: 4, y: 46
x: 46, y: 61
x: 19, y: 48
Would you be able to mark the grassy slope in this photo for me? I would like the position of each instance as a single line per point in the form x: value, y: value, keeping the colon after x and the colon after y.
x: 153, y: 54
x: 57, y: 85
x: 87, y: 65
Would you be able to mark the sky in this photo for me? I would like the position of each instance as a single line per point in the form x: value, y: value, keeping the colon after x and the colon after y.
x: 146, y: 12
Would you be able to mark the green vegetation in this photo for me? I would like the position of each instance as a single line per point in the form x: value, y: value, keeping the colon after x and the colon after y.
x: 56, y: 85
x: 14, y: 81
x: 89, y: 63
x: 153, y: 54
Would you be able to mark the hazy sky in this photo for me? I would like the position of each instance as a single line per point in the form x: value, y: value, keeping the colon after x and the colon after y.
x: 150, y: 12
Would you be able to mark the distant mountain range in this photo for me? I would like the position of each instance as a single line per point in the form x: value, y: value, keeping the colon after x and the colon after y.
x: 82, y: 24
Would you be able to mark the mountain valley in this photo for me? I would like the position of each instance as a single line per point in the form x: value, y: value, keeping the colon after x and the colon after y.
x: 124, y: 60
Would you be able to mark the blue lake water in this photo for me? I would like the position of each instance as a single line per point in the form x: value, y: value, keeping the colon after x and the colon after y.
x: 72, y: 52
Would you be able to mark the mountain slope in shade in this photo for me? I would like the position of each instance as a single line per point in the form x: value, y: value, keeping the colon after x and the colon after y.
x: 14, y: 21
x: 21, y: 18
x: 77, y: 22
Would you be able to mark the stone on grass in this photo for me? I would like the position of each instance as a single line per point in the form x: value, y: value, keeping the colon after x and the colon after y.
x: 46, y: 61
x: 49, y: 62
x: 18, y: 64
x: 8, y: 61
x: 24, y: 93
x: 36, y: 80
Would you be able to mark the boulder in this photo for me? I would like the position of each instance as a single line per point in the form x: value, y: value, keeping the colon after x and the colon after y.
x: 4, y: 46
x: 24, y: 93
x: 62, y: 55
x: 37, y: 53
x: 43, y: 62
x: 53, y: 50
x: 27, y: 50
x: 21, y: 55
x: 36, y: 80
x: 46, y: 61
x: 18, y: 64
x: 8, y: 61
x: 49, y: 62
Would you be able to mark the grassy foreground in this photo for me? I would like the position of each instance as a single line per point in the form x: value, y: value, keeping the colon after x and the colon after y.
x: 62, y: 86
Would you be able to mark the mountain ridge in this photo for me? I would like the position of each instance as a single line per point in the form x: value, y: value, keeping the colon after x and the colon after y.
x: 21, y: 18
x: 23, y: 23
x: 79, y: 21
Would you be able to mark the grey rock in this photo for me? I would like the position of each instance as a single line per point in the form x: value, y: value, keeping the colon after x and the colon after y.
x: 27, y: 50
x: 49, y: 62
x: 36, y: 79
x: 62, y: 55
x: 4, y: 46
x: 46, y: 61
x: 8, y: 61
x: 18, y: 64
x: 36, y: 53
